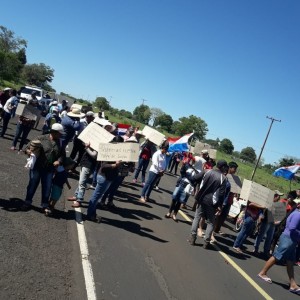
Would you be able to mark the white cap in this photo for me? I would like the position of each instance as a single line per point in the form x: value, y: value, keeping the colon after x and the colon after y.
x: 57, y: 127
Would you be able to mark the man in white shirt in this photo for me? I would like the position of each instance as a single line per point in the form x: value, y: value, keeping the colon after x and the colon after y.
x: 157, y: 169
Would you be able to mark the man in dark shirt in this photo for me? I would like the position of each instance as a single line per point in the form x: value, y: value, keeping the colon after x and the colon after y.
x: 209, y: 199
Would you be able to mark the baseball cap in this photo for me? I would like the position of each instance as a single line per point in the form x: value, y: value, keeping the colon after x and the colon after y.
x: 204, y: 151
x: 57, y: 127
x: 278, y: 193
x: 7, y: 89
x: 89, y: 114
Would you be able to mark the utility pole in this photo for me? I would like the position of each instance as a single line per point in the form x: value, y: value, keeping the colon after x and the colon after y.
x: 143, y: 100
x: 263, y: 146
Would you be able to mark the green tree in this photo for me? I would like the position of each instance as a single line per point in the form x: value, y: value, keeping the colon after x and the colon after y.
x: 248, y: 154
x: 286, y: 161
x: 102, y: 103
x: 125, y: 113
x: 165, y: 122
x: 38, y: 74
x: 190, y: 124
x: 236, y: 154
x: 142, y: 114
x: 213, y: 143
x: 10, y: 66
x: 226, y: 146
x: 10, y: 43
x: 155, y: 113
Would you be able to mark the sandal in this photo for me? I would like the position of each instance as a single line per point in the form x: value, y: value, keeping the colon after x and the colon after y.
x: 266, y: 279
x: 168, y: 216
x: 174, y: 218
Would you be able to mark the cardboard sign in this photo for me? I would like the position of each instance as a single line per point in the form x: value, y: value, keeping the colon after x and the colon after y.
x: 95, y: 135
x: 235, y: 182
x: 153, y: 135
x: 212, y: 153
x: 257, y: 193
x: 279, y: 211
x: 128, y: 152
x: 28, y: 111
x: 199, y: 146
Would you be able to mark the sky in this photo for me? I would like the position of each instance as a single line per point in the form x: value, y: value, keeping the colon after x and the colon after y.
x: 231, y: 63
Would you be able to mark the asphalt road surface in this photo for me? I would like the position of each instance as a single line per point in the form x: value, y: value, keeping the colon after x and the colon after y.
x: 135, y: 253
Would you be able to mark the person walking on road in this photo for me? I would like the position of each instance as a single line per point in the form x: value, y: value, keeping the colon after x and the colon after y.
x: 286, y: 251
x: 209, y: 199
x: 52, y: 155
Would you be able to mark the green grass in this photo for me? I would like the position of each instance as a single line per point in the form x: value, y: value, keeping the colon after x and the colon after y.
x: 261, y: 176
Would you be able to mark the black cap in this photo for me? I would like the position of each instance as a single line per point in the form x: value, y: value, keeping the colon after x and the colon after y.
x: 221, y: 164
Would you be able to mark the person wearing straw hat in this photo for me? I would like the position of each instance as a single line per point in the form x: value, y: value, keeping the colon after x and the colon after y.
x: 71, y: 123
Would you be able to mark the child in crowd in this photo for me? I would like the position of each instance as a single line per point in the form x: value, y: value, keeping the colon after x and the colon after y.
x: 60, y: 178
x: 33, y: 151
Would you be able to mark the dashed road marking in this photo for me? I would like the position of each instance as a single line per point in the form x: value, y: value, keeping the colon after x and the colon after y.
x: 235, y: 265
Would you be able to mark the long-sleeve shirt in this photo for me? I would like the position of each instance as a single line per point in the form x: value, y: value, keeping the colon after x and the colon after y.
x: 159, y: 162
x: 292, y: 227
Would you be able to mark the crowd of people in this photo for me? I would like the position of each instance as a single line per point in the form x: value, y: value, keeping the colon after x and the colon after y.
x: 199, y: 175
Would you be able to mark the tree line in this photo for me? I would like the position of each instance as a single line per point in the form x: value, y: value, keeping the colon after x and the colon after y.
x: 13, y: 63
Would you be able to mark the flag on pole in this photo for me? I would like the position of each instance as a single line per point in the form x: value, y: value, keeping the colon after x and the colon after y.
x: 122, y: 128
x: 287, y: 172
x: 179, y: 144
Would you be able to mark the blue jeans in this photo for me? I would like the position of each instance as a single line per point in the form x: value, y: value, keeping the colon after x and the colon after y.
x: 83, y: 178
x: 102, y: 186
x: 207, y: 212
x: 142, y: 166
x: 21, y: 130
x: 111, y: 191
x: 247, y: 229
x: 148, y: 187
x: 6, y: 118
x: 178, y: 197
x: 267, y: 229
x: 35, y: 177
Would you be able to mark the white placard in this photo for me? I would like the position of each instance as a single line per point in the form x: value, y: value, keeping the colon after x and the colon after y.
x: 153, y: 135
x: 95, y: 135
x: 28, y: 111
x: 257, y: 193
x: 128, y: 152
x: 199, y: 146
x: 235, y: 183
x: 279, y: 211
x: 235, y: 208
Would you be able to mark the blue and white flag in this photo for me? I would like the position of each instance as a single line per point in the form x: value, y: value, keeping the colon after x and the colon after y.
x: 287, y: 172
x: 181, y: 145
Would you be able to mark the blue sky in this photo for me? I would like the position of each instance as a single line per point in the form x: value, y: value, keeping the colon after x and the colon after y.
x: 231, y: 63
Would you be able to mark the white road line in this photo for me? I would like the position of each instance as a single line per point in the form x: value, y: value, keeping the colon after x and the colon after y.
x: 234, y: 265
x: 84, y: 251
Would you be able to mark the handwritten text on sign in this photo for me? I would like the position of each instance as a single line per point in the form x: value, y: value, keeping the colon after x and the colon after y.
x: 128, y: 152
x: 95, y: 134
x: 257, y: 193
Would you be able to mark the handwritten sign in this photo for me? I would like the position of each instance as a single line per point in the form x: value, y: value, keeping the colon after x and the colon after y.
x: 128, y: 152
x: 153, y: 135
x: 257, y: 193
x: 279, y: 211
x: 95, y: 135
x: 235, y: 182
x: 199, y: 146
x: 28, y: 111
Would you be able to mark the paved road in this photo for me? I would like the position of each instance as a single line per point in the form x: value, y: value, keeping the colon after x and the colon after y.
x: 135, y: 252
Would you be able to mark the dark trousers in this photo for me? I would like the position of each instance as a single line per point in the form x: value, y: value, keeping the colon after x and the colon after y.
x: 22, y: 131
x: 6, y: 118
x: 78, y: 149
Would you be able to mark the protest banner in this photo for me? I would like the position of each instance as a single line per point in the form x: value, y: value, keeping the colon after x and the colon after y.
x: 95, y: 134
x: 127, y: 152
x: 28, y: 111
x: 279, y: 211
x: 235, y: 182
x: 257, y: 193
x: 153, y: 135
x: 199, y: 146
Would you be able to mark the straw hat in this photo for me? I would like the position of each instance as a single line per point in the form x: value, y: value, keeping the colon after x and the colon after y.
x: 75, y: 113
